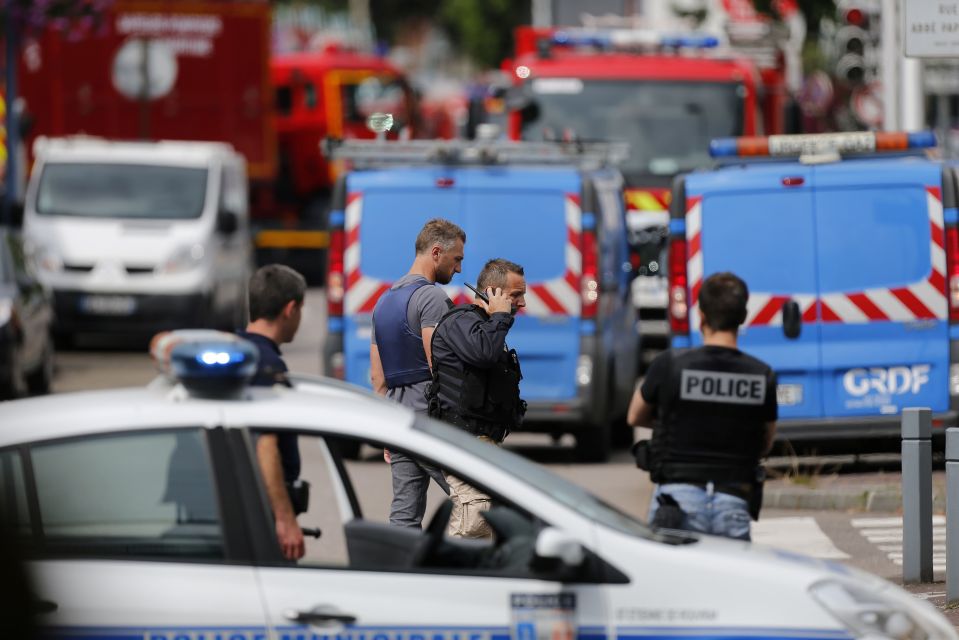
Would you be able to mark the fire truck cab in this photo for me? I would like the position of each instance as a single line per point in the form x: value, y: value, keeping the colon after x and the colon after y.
x: 666, y: 94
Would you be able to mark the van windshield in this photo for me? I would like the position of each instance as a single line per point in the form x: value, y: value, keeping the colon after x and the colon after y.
x: 121, y: 191
x: 668, y: 125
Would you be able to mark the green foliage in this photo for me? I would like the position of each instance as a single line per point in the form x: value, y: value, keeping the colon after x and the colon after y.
x: 484, y: 28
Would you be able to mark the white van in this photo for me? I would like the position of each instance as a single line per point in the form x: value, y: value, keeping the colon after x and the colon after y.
x: 137, y: 237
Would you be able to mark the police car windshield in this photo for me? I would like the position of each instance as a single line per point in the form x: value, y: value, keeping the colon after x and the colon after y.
x: 571, y: 495
x: 668, y: 125
x: 121, y: 191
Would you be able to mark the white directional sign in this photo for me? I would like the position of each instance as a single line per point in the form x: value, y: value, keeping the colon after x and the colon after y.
x: 931, y: 28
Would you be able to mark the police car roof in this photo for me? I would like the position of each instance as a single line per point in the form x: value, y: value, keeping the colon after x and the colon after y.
x: 314, y: 401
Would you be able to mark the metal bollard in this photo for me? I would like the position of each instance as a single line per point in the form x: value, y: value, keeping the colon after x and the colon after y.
x: 952, y: 515
x: 916, y: 495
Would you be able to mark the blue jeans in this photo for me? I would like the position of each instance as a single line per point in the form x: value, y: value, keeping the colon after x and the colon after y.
x: 706, y: 510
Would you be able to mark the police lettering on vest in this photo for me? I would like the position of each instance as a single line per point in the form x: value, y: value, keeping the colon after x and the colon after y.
x: 718, y: 386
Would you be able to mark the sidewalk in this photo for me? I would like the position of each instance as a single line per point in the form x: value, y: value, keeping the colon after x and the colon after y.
x: 877, y: 492
x: 874, y: 492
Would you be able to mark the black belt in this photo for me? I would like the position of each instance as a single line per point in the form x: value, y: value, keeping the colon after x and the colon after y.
x: 475, y: 426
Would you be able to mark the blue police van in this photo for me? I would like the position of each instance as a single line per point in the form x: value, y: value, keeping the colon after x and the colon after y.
x: 556, y: 210
x: 852, y: 268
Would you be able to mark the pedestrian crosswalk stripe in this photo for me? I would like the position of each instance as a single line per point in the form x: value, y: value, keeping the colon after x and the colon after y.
x: 886, y: 534
x: 890, y: 522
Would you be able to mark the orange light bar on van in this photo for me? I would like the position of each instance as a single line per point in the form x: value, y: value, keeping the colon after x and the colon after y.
x: 813, y: 143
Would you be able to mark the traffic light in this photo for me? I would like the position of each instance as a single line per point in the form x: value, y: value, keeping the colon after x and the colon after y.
x: 857, y: 38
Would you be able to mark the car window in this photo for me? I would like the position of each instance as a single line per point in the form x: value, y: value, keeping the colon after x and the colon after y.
x: 139, y: 494
x: 350, y: 504
x: 571, y: 495
x: 121, y: 191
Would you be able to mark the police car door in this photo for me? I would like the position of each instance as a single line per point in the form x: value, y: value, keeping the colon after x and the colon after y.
x: 758, y: 222
x: 881, y: 276
x: 132, y: 533
x: 363, y: 579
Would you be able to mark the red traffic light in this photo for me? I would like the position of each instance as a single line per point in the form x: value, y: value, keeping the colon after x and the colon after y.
x: 855, y: 17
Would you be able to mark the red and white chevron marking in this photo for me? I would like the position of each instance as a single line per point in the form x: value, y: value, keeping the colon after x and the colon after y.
x: 922, y: 300
x: 558, y: 296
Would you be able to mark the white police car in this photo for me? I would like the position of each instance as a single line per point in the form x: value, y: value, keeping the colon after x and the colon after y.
x: 145, y: 517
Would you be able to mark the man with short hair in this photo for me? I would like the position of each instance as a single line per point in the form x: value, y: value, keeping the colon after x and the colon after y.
x: 716, y: 411
x: 403, y: 321
x: 276, y: 295
x: 476, y: 380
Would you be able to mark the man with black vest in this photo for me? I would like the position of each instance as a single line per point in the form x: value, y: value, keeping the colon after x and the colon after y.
x: 403, y: 322
x: 715, y: 410
x: 476, y: 379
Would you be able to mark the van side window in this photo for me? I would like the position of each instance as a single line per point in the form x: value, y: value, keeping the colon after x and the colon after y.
x: 145, y: 495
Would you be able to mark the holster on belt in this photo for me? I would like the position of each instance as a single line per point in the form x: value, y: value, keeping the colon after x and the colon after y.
x: 475, y: 427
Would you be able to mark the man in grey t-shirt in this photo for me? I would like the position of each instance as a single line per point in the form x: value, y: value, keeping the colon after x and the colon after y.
x: 403, y: 323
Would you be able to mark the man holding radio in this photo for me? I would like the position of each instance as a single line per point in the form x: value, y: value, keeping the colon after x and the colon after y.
x: 476, y: 378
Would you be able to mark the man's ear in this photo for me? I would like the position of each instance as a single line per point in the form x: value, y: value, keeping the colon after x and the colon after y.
x: 436, y: 251
x: 289, y: 308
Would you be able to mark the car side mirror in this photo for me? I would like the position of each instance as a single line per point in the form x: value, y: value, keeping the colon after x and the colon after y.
x: 792, y: 319
x: 227, y: 222
x: 559, y: 547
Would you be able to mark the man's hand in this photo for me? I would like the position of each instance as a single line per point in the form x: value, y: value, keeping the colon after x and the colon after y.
x: 386, y: 456
x: 290, y: 536
x: 499, y: 302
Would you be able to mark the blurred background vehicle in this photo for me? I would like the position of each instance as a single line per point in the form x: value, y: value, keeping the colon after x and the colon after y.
x: 26, y: 318
x: 555, y: 209
x: 139, y: 237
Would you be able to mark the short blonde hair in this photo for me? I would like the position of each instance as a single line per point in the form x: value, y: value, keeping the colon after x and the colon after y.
x: 438, y: 231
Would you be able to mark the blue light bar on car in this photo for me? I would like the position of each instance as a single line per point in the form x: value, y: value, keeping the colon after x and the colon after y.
x: 631, y: 38
x: 206, y: 362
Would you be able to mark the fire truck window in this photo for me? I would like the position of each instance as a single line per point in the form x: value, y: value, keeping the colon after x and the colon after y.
x: 309, y: 96
x: 284, y: 101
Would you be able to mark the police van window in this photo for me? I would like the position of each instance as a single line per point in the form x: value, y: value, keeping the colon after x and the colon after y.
x: 148, y: 495
x: 877, y: 237
x: 14, y: 512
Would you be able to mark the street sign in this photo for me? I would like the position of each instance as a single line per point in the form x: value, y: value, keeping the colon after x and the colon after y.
x: 930, y: 28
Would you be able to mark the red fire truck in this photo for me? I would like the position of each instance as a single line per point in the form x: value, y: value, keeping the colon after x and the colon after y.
x: 666, y: 94
x: 203, y: 70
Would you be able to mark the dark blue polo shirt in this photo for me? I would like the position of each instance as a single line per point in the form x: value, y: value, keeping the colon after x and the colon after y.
x: 272, y: 370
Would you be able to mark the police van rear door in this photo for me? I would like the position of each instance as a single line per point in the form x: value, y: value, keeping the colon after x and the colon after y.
x: 881, y: 276
x: 385, y: 210
x: 532, y: 216
x: 758, y: 222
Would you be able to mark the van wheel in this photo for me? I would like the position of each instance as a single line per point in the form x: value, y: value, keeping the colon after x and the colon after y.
x: 592, y: 443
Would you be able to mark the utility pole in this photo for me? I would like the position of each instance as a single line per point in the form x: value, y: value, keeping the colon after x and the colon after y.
x: 889, y: 65
x: 542, y: 13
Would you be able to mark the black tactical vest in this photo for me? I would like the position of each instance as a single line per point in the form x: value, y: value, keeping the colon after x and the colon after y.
x: 481, y: 401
